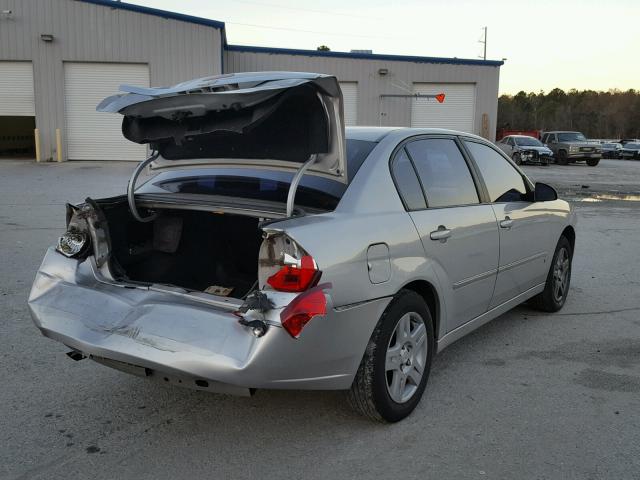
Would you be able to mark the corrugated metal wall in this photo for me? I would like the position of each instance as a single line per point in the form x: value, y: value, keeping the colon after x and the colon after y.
x: 174, y: 50
x: 373, y: 109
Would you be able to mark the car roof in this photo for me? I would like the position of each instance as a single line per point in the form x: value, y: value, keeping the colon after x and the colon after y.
x: 521, y: 136
x: 371, y: 134
x: 376, y: 134
x: 562, y: 131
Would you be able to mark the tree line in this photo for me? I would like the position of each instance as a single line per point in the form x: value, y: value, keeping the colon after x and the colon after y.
x: 614, y: 114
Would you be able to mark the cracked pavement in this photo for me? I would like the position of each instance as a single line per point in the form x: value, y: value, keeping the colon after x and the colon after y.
x: 529, y: 395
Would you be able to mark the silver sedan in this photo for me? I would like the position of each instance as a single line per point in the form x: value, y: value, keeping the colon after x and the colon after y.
x: 272, y: 248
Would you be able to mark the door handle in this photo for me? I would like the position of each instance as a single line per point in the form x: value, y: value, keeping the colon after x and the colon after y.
x: 506, y: 223
x: 441, y: 234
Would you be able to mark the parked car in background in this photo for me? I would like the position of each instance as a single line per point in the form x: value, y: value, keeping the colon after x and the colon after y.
x: 631, y: 151
x: 275, y: 249
x: 611, y: 149
x: 570, y: 147
x: 525, y: 149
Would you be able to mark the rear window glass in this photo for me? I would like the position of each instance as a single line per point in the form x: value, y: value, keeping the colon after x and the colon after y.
x: 407, y: 182
x: 269, y: 185
x: 443, y: 172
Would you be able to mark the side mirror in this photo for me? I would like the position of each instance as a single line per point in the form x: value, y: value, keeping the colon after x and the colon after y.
x: 545, y: 193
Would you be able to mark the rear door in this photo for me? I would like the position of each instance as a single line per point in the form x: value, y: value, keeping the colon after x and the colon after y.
x: 459, y: 235
x: 524, y: 236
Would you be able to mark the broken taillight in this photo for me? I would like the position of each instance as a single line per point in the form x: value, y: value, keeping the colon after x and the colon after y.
x: 72, y: 243
x: 298, y: 277
x: 285, y: 266
x: 75, y: 241
x: 302, y: 309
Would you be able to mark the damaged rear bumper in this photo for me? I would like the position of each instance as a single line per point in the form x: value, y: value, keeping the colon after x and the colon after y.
x: 179, y: 339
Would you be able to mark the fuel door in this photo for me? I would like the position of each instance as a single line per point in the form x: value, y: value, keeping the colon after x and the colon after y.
x: 378, y: 263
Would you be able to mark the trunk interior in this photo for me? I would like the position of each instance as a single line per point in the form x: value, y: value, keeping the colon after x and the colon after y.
x: 195, y: 250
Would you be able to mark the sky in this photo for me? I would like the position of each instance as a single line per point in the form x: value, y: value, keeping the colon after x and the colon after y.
x: 581, y: 44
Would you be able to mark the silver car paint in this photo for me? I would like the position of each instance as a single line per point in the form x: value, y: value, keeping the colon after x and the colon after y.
x: 69, y: 302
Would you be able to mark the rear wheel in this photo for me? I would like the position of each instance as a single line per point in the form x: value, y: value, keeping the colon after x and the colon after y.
x: 395, y: 367
x: 556, y: 288
x: 562, y: 158
x: 592, y: 162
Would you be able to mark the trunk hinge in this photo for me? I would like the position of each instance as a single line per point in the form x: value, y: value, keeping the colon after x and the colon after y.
x: 131, y: 187
x: 291, y: 196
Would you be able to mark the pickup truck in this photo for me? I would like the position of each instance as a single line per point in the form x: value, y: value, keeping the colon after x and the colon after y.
x: 570, y: 147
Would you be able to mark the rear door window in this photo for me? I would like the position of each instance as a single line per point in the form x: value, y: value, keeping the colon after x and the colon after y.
x: 407, y: 182
x: 503, y: 181
x: 443, y: 171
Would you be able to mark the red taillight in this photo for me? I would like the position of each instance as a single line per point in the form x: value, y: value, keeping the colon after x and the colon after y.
x: 296, y: 278
x: 302, y: 309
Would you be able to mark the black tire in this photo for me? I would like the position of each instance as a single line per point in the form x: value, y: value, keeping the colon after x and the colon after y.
x: 592, y: 162
x: 517, y: 159
x: 369, y: 394
x: 548, y: 300
x: 562, y: 159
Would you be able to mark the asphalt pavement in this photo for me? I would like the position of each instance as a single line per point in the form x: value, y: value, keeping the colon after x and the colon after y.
x: 528, y: 396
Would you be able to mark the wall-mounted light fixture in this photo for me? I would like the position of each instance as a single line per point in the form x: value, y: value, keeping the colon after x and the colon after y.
x: 383, y: 71
x: 46, y: 37
x: 6, y: 13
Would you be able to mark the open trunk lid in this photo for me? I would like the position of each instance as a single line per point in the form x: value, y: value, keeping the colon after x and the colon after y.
x: 270, y: 120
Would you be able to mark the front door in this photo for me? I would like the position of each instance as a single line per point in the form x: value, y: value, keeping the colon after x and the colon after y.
x: 524, y: 236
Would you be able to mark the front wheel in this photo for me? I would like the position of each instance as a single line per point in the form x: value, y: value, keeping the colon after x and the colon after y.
x: 562, y: 158
x: 394, y: 370
x: 517, y: 159
x: 556, y: 288
x: 592, y: 162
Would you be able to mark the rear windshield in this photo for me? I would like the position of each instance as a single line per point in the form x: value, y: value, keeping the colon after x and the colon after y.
x: 270, y: 185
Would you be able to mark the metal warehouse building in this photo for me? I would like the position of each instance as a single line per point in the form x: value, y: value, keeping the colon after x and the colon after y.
x: 60, y: 58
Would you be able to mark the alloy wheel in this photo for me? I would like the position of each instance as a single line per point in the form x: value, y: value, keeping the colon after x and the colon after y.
x: 406, y: 357
x: 561, y: 271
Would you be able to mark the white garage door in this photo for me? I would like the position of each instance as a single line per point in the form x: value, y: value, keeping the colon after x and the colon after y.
x: 93, y: 135
x: 350, y: 100
x: 16, y: 89
x: 456, y: 112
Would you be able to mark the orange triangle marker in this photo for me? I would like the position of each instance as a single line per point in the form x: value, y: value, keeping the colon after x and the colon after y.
x: 440, y: 97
